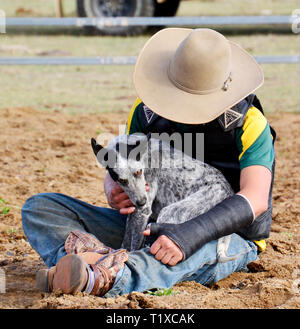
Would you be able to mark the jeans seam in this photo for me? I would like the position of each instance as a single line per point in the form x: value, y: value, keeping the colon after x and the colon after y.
x: 232, y: 258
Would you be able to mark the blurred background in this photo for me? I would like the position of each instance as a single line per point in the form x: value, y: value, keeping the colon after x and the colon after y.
x: 76, y: 89
x: 50, y: 112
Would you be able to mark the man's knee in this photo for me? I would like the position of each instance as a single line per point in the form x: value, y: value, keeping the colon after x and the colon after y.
x: 36, y: 201
x: 35, y: 204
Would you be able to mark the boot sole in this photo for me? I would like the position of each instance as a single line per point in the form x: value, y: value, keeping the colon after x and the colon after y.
x: 71, y: 275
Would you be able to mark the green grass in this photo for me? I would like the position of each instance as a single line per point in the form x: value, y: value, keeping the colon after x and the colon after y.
x: 75, y: 89
x: 71, y: 45
x: 187, y: 8
x: 163, y: 292
x: 104, y: 89
x: 237, y: 7
x: 11, y: 231
x: 4, y: 208
x: 280, y: 92
x: 31, y: 8
x: 68, y: 89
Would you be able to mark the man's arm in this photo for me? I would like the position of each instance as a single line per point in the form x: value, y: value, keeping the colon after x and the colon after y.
x: 255, y: 182
x: 256, y: 156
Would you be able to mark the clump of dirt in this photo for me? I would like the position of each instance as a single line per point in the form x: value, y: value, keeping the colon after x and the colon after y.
x: 50, y: 152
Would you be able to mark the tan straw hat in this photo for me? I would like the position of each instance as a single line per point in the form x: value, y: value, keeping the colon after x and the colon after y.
x: 194, y: 75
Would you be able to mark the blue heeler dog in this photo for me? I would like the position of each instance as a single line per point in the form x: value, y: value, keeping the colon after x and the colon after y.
x: 181, y: 187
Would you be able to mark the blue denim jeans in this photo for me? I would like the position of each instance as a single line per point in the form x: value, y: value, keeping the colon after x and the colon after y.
x: 48, y: 218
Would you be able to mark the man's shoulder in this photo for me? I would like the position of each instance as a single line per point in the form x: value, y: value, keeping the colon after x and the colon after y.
x: 140, y: 117
x: 255, y: 140
x: 254, y: 121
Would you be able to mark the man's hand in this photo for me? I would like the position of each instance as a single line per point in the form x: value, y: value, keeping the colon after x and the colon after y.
x: 117, y: 198
x: 165, y: 250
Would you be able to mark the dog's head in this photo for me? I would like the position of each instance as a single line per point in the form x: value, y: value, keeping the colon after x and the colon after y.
x: 125, y: 159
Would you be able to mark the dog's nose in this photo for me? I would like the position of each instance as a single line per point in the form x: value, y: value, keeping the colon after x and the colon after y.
x: 142, y: 202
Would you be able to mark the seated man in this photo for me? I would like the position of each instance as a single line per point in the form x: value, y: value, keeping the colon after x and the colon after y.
x: 188, y: 81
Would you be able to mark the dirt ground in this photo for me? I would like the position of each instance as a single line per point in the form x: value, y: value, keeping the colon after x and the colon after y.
x: 50, y: 152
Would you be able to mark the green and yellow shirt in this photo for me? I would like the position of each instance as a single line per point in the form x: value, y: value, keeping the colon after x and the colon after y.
x: 253, y: 139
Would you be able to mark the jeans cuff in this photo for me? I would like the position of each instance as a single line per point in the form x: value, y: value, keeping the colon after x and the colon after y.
x: 121, y: 282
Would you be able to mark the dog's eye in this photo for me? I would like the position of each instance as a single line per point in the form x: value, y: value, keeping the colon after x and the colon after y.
x: 123, y: 181
x: 138, y: 173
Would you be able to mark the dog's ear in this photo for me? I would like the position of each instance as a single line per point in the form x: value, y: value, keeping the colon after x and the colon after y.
x: 107, y: 158
x: 96, y: 147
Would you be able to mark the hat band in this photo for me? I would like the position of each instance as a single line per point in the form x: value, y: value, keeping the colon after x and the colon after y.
x: 224, y: 86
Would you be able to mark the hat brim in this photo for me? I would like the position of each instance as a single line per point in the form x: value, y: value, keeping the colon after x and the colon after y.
x: 153, y: 86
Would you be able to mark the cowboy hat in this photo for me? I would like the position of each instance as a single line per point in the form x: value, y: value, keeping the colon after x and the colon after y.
x: 194, y: 75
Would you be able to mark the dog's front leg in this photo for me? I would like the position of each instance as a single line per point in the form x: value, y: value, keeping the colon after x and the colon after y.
x: 137, y: 221
x: 135, y: 225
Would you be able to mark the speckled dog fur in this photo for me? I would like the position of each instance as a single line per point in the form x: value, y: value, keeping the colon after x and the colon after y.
x: 181, y: 187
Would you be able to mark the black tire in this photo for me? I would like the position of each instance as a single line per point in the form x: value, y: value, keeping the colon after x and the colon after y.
x: 114, y: 8
x: 80, y: 8
x: 167, y: 8
x: 82, y: 13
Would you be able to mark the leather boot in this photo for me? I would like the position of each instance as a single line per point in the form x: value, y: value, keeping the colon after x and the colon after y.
x: 89, y: 266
